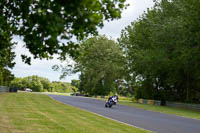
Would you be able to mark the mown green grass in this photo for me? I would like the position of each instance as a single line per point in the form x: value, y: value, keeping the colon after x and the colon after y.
x: 195, y: 114
x: 35, y: 113
x: 184, y: 112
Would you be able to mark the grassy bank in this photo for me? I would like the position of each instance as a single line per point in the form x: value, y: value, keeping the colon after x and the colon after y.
x: 195, y: 114
x: 34, y: 113
x: 184, y: 112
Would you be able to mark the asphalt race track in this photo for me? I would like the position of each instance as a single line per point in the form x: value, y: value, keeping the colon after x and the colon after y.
x: 154, y: 121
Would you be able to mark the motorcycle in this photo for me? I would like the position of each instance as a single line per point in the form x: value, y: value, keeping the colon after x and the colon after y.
x: 110, y: 102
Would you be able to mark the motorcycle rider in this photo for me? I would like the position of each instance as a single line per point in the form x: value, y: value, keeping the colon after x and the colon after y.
x: 114, y: 99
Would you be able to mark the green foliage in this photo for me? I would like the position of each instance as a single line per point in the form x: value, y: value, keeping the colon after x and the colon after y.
x: 5, y: 77
x: 6, y: 54
x: 45, y: 24
x: 101, y: 64
x: 162, y: 51
x: 63, y: 87
x: 76, y: 84
x: 40, y: 84
x: 17, y: 83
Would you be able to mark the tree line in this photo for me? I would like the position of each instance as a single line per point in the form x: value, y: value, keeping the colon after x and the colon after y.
x: 162, y: 51
x: 156, y: 57
x: 41, y: 84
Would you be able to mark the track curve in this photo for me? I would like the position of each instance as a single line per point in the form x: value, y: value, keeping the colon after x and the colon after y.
x: 153, y: 121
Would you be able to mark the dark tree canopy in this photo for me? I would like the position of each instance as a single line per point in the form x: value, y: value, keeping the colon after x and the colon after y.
x: 162, y: 50
x: 6, y: 54
x: 42, y: 24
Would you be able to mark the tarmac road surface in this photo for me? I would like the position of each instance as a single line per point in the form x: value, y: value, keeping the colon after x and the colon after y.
x: 153, y: 121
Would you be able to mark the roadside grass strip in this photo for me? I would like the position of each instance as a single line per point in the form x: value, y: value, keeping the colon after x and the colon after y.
x: 183, y: 112
x: 178, y: 111
x: 33, y: 113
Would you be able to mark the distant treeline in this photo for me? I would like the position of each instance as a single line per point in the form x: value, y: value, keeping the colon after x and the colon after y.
x: 41, y: 84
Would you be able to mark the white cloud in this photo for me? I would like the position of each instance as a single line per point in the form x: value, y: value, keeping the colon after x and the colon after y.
x: 112, y: 29
x: 136, y: 8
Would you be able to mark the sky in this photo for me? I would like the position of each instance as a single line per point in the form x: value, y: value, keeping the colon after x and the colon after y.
x: 43, y: 68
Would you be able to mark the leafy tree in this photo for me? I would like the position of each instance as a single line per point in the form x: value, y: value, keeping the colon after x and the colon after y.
x: 36, y: 85
x: 45, y: 24
x: 162, y: 51
x: 46, y: 84
x: 33, y: 82
x: 63, y: 87
x: 5, y: 77
x: 101, y: 64
x: 76, y: 84
x: 17, y: 83
x: 6, y: 54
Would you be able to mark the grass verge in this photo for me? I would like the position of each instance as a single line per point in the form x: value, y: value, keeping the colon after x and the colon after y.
x: 183, y: 112
x: 189, y: 113
x: 33, y: 113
